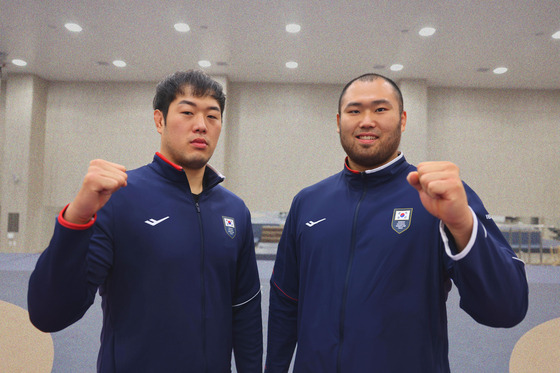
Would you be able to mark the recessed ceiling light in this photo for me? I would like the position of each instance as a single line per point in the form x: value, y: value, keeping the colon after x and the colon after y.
x: 396, y: 67
x: 291, y: 65
x: 556, y: 35
x: 19, y: 62
x: 500, y: 70
x: 293, y: 28
x: 119, y: 63
x: 182, y: 27
x: 427, y: 31
x: 73, y: 27
x: 204, y: 63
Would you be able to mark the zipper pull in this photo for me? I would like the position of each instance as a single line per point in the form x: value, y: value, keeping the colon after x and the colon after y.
x: 197, y: 207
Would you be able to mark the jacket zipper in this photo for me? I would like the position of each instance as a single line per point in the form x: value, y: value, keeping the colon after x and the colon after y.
x: 203, y: 295
x: 347, y: 279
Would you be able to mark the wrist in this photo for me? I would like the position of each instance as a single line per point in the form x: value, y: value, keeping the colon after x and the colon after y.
x: 68, y: 218
x: 462, y: 231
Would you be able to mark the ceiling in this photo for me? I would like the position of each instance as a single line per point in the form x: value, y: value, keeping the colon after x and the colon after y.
x: 247, y: 41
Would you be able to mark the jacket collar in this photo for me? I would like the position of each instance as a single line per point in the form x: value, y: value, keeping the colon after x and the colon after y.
x: 376, y: 175
x: 175, y: 173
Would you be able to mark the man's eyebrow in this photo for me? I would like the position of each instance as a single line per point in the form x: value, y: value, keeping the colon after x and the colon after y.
x: 372, y: 103
x: 187, y: 102
x: 352, y: 103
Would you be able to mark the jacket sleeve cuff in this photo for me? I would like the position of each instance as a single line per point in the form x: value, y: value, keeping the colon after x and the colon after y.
x: 74, y: 226
x: 450, y: 246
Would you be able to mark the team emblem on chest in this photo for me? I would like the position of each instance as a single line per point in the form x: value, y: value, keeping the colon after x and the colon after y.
x: 229, y: 226
x: 401, y: 220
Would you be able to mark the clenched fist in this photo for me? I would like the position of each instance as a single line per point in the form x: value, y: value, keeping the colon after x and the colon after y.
x: 442, y: 193
x: 103, y: 178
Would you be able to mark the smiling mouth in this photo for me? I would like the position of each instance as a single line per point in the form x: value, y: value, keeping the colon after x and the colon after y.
x: 367, y: 137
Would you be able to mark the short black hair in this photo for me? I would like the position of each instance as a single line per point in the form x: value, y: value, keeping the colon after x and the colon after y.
x: 370, y: 77
x: 200, y: 84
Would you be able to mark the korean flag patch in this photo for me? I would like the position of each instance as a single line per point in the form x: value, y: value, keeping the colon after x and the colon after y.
x: 229, y: 226
x: 401, y: 220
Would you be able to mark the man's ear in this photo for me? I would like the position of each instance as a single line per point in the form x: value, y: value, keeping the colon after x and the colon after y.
x: 159, y: 120
x: 337, y: 122
x: 403, y: 121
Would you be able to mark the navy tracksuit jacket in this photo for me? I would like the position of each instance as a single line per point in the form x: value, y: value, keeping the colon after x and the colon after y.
x: 178, y: 278
x: 362, y: 276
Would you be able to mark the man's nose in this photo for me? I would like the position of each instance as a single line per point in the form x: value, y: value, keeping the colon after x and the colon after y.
x: 200, y: 124
x: 368, y: 119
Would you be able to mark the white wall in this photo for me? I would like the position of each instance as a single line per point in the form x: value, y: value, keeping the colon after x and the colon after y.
x: 282, y: 137
x: 23, y: 133
x: 2, y: 131
x: 95, y: 120
x: 507, y: 143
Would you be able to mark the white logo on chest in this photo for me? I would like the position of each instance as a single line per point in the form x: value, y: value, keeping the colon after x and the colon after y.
x: 312, y: 223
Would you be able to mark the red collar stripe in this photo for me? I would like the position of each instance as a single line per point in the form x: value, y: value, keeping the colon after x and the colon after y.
x: 177, y: 167
x: 348, y: 167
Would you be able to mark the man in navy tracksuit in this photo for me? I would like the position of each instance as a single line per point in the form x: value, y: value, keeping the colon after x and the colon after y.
x: 367, y: 256
x: 171, y: 251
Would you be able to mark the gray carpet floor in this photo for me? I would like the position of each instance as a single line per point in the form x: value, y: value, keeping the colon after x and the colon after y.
x: 473, y: 347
